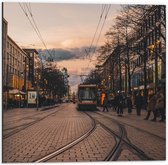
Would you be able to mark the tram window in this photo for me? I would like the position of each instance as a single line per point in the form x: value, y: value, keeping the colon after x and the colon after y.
x: 87, y: 94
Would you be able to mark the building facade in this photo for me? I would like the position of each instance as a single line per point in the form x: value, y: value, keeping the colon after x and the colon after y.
x: 16, y: 70
x: 34, y: 65
x: 16, y: 65
x: 147, y: 54
x: 149, y: 57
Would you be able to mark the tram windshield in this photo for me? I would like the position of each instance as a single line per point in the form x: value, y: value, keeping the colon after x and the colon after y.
x: 87, y: 94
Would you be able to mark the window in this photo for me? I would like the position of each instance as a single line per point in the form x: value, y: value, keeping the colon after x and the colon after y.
x: 13, y: 61
x: 12, y: 51
x: 8, y: 57
x: 8, y: 45
x: 10, y: 48
x: 10, y: 69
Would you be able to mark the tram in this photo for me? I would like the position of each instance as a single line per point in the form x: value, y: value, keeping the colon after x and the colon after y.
x: 87, y: 97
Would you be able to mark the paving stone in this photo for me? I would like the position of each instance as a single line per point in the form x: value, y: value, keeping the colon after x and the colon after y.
x: 66, y: 125
x: 91, y: 155
x: 128, y: 155
x: 39, y: 135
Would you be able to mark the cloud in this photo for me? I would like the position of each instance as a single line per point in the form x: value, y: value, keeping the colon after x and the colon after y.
x: 58, y: 54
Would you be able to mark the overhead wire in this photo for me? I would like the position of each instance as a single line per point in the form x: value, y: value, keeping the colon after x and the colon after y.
x: 107, y: 11
x: 94, y: 36
x: 25, y: 12
x: 105, y: 17
x: 102, y: 12
x: 31, y: 14
x: 33, y: 22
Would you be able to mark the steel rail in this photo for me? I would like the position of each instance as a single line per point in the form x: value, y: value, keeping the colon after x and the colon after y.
x: 139, y: 129
x: 69, y: 145
x: 122, y: 141
x: 24, y: 126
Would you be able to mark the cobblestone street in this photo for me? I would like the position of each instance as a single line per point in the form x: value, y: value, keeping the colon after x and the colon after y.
x: 83, y: 82
x: 29, y: 135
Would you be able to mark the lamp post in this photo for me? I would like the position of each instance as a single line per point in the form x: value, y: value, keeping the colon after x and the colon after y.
x: 37, y: 90
x: 25, y: 77
x: 153, y: 49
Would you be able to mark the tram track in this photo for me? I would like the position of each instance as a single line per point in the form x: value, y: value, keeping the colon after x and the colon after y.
x: 22, y: 127
x: 69, y: 145
x: 121, y: 142
x: 120, y: 138
x: 138, y: 129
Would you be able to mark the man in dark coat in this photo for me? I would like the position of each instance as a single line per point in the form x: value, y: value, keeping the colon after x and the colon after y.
x: 119, y: 101
x: 129, y: 104
x: 138, y: 103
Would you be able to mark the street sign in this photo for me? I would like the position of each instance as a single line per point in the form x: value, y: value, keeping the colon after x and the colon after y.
x: 32, y: 95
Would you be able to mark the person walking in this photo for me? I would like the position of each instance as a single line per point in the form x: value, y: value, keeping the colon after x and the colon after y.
x: 105, y: 104
x: 115, y: 103
x: 129, y: 104
x: 162, y: 106
x: 159, y: 107
x: 119, y: 101
x: 151, y: 106
x: 138, y: 103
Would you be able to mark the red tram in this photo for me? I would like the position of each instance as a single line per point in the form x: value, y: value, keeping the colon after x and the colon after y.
x: 87, y: 97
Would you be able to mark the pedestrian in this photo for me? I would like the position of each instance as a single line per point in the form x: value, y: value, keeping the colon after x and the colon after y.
x: 115, y: 102
x: 129, y: 104
x: 159, y: 107
x: 162, y: 105
x: 111, y: 100
x: 119, y: 101
x: 138, y: 103
x: 151, y: 106
x: 105, y: 104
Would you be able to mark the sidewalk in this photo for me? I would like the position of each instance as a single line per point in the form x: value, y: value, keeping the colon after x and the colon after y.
x: 126, y: 114
x: 31, y: 109
x: 138, y: 122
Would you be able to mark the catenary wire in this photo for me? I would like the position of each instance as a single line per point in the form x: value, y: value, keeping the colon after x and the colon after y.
x: 33, y: 24
x: 107, y: 11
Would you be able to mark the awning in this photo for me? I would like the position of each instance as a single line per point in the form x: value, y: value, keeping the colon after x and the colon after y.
x: 16, y: 91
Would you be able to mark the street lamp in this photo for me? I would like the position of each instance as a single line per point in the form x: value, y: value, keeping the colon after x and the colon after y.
x: 37, y: 89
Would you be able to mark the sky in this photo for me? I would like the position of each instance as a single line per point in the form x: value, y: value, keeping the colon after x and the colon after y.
x: 62, y: 26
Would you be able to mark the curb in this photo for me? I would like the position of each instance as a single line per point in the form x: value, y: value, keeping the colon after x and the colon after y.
x: 50, y: 107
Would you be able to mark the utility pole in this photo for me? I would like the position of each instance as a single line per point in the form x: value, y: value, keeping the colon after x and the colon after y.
x: 37, y: 96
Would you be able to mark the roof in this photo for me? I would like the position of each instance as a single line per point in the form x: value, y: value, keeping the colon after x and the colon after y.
x: 31, y: 50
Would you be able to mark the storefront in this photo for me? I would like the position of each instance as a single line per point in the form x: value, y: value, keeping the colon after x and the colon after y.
x: 16, y: 99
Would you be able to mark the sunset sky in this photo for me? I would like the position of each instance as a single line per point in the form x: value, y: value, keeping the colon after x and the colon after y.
x: 66, y: 28
x: 62, y: 26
